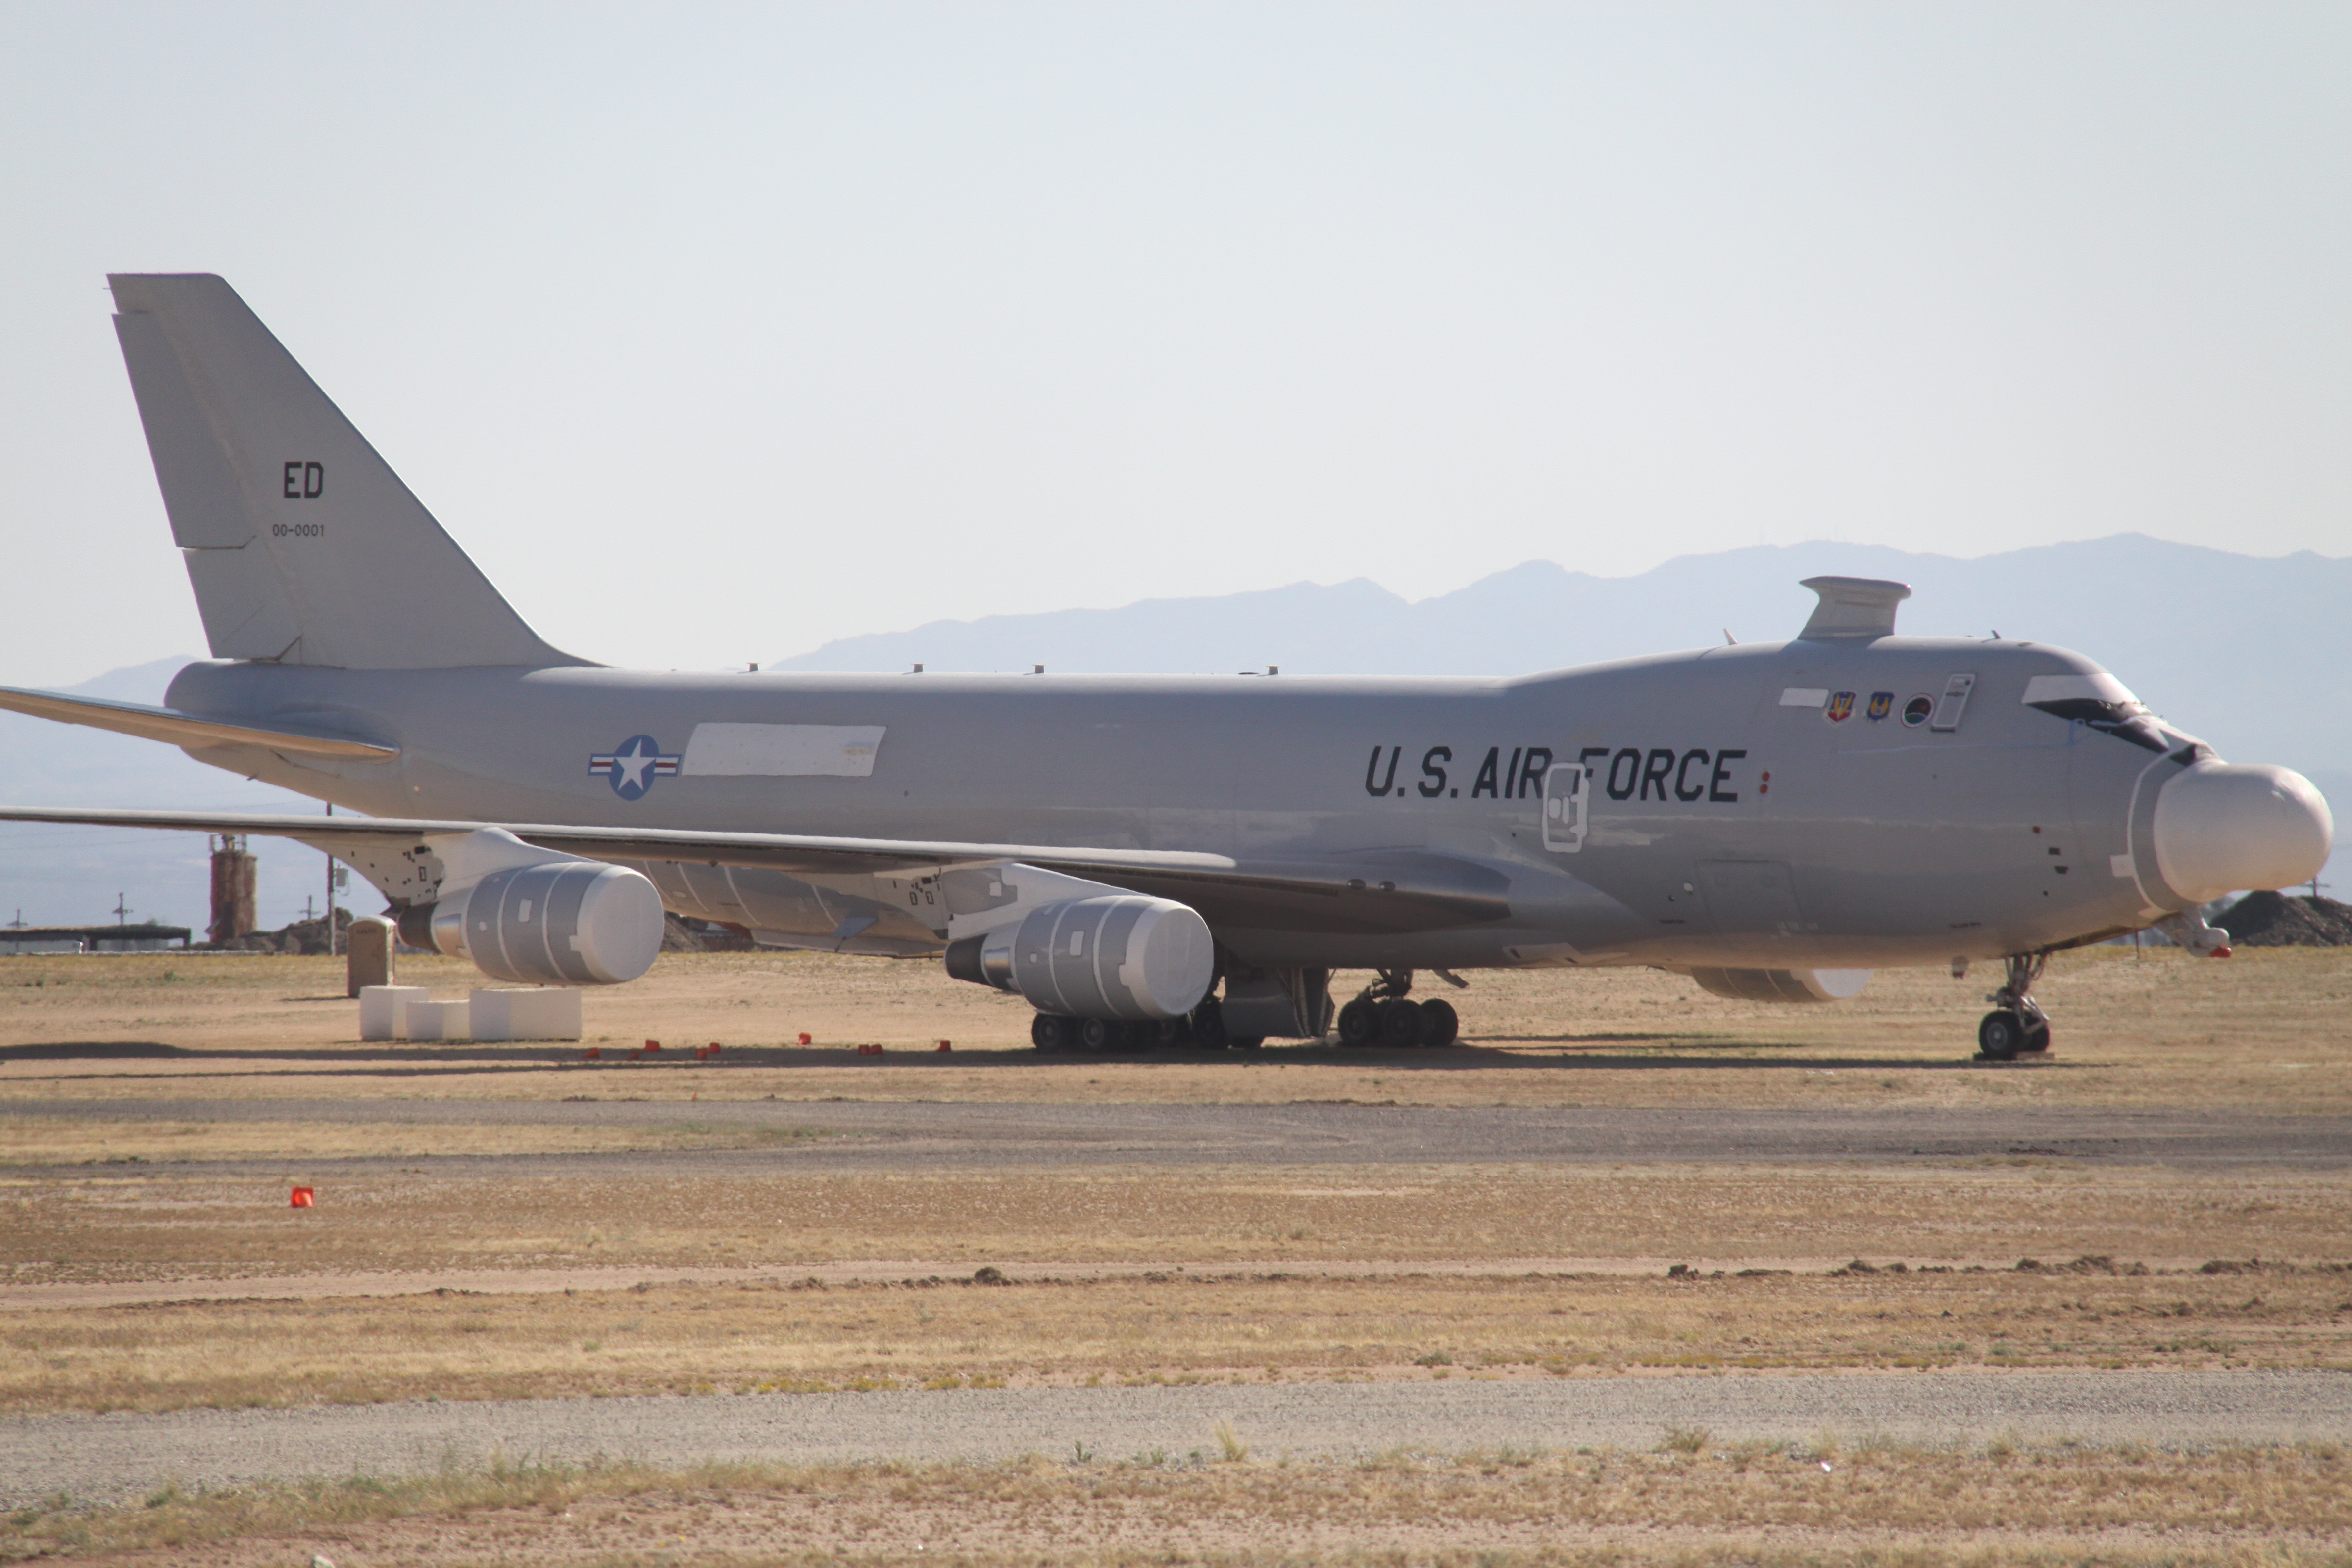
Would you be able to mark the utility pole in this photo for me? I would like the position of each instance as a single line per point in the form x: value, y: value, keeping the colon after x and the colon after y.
x: 330, y: 894
x: 121, y: 910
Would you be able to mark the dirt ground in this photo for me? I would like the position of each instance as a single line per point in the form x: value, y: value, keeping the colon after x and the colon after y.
x: 445, y: 1264
x: 1822, y: 1502
x: 2263, y: 1031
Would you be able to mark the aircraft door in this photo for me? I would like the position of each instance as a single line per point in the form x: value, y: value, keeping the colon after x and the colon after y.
x: 1564, y: 795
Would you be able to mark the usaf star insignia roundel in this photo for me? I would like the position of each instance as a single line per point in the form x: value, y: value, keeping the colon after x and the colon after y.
x: 632, y: 765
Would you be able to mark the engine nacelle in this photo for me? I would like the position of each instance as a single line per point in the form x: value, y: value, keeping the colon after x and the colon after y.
x: 1783, y: 984
x: 564, y: 922
x: 1117, y: 956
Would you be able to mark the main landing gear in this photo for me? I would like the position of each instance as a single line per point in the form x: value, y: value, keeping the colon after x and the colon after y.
x: 2017, y: 1024
x: 1205, y: 1026
x: 1385, y: 1016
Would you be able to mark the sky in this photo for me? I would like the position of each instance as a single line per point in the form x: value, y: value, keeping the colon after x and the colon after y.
x: 714, y: 333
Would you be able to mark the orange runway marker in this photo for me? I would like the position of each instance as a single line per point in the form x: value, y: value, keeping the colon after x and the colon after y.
x: 304, y: 1199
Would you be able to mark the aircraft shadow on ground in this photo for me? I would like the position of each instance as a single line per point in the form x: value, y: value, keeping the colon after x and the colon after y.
x: 458, y: 1060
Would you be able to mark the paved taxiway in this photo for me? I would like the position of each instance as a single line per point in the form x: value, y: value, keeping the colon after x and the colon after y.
x: 914, y: 1136
x: 122, y: 1455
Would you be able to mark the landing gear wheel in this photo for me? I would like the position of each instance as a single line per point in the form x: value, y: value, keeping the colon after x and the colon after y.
x: 1209, y: 1026
x: 2017, y: 1023
x: 1399, y: 1022
x: 1052, y: 1032
x: 1359, y: 1023
x: 1163, y: 1032
x: 1100, y: 1034
x: 1439, y: 1025
x: 2001, y: 1035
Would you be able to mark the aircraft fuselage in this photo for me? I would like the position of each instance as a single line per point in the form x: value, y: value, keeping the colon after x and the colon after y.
x: 1767, y: 804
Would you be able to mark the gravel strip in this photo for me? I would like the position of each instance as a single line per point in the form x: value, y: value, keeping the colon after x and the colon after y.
x: 916, y: 1136
x: 129, y: 1455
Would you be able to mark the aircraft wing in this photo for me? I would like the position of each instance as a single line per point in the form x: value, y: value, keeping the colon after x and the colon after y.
x: 1371, y: 891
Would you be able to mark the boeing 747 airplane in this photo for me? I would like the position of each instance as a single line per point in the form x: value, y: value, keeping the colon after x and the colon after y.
x: 1146, y: 859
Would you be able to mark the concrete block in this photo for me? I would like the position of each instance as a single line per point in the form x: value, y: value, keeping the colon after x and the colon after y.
x: 526, y: 1013
x: 438, y: 1020
x: 383, y: 1010
x: 371, y: 954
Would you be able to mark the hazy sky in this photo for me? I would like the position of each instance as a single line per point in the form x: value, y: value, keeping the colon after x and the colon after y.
x: 714, y: 333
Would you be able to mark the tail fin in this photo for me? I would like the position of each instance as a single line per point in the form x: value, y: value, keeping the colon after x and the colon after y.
x: 303, y: 544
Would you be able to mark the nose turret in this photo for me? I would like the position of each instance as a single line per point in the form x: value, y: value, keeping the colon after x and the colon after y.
x: 2223, y: 827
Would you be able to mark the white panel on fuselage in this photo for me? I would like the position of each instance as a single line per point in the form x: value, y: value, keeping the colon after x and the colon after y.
x: 783, y: 751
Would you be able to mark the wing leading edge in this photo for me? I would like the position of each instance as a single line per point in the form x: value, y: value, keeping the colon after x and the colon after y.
x: 1397, y: 890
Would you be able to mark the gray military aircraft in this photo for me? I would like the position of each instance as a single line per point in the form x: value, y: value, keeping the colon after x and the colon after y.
x: 1147, y: 858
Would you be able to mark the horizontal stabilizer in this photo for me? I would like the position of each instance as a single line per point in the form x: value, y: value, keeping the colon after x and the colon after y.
x: 169, y: 724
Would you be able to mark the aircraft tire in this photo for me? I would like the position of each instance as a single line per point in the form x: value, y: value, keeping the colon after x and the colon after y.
x: 2000, y: 1034
x: 1439, y: 1023
x: 2037, y: 1037
x: 1163, y: 1033
x: 1099, y: 1034
x: 1359, y: 1023
x: 1399, y: 1022
x: 1209, y: 1026
x: 1052, y: 1032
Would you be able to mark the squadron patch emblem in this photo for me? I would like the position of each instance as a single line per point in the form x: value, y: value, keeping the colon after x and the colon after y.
x: 1840, y: 708
x: 1882, y: 703
x: 634, y: 766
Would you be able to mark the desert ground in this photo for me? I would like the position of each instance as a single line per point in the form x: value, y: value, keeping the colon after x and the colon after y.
x: 1623, y: 1272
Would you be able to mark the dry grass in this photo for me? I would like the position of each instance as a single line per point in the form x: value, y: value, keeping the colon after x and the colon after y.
x: 2265, y: 1030
x: 123, y: 1223
x: 1878, y: 1504
x: 33, y: 1141
x: 1161, y: 1329
x: 2269, y: 1032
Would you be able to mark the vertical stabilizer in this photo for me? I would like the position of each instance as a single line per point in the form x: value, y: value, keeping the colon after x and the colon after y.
x: 303, y: 544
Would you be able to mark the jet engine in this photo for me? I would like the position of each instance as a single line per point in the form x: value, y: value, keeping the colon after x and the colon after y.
x: 1117, y: 956
x: 562, y: 923
x: 1782, y: 985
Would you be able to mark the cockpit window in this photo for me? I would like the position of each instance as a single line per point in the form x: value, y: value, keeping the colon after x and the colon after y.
x: 2101, y: 701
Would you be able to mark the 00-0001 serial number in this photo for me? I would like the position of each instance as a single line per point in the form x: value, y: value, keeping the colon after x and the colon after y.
x: 298, y: 529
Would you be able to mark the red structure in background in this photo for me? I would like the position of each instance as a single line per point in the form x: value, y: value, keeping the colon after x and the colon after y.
x: 233, y: 889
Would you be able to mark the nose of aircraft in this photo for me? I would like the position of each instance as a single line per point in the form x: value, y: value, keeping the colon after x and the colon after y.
x: 2222, y: 827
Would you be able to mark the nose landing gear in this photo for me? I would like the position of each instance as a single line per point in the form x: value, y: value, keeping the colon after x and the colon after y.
x: 2017, y: 1024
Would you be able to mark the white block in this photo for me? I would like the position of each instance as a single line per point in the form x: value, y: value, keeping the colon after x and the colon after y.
x: 383, y: 1010
x: 526, y: 1013
x: 437, y: 1020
